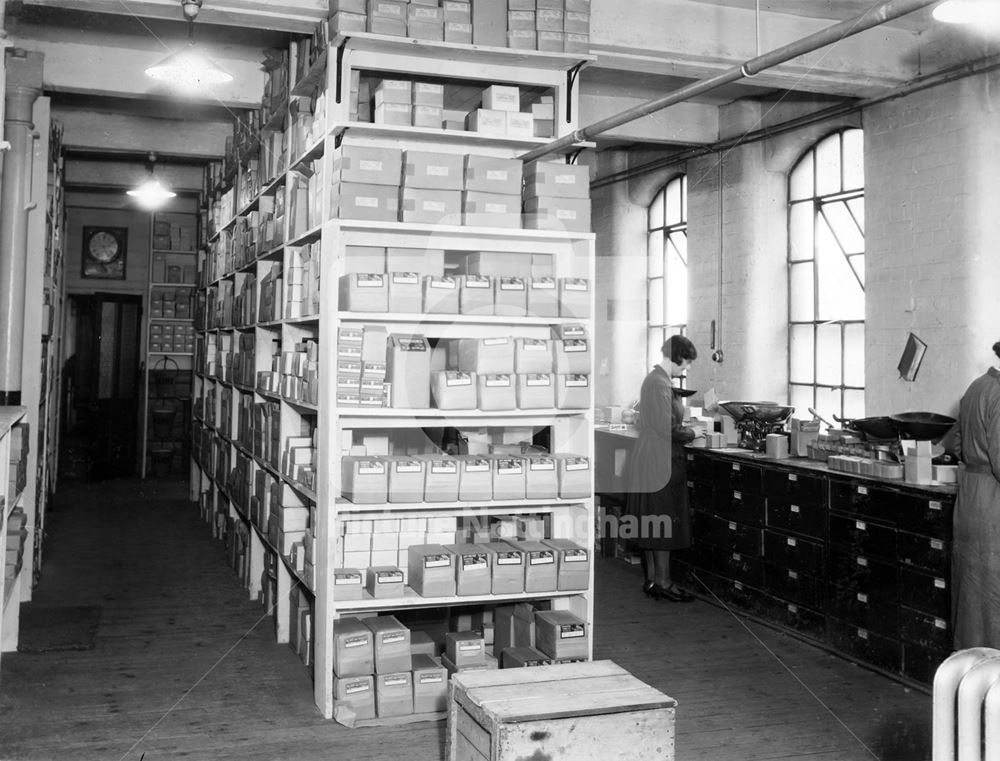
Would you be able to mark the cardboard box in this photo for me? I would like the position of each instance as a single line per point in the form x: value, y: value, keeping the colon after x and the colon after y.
x: 396, y: 114
x: 426, y: 262
x: 366, y: 165
x: 358, y: 692
x: 431, y: 207
x: 560, y: 214
x: 442, y: 478
x: 542, y: 297
x: 385, y: 582
x: 573, y: 563
x: 365, y: 480
x: 549, y: 20
x: 494, y: 263
x: 406, y: 479
x: 540, y: 570
x: 507, y: 564
x: 519, y: 657
x: 435, y: 171
x: 473, y: 572
x: 496, y: 392
x: 578, y: 6
x: 576, y: 22
x: 454, y: 390
x: 535, y: 391
x: 520, y: 21
x: 575, y: 477
x: 391, y: 643
x: 510, y: 296
x: 486, y: 355
x: 522, y: 39
x: 509, y: 479
x: 345, y: 23
x: 572, y: 391
x: 408, y: 360
x: 459, y: 32
x: 440, y: 294
x: 394, y: 694
x: 571, y: 355
x: 364, y: 292
x: 520, y: 124
x: 404, y: 292
x: 431, y: 570
x: 556, y: 179
x: 430, y: 685
x: 475, y: 478
x: 391, y: 9
x: 421, y: 643
x: 560, y: 634
x: 348, y: 583
x: 524, y: 625
x: 491, y: 210
x: 532, y: 355
x: 353, y: 648
x: 576, y: 43
x: 502, y: 98
x: 541, y: 480
x: 457, y: 12
x: 551, y: 41
x: 574, y: 297
x: 487, y: 122
x: 429, y: 94
x: 488, y: 174
x: 350, y: 6
x: 489, y: 23
x: 475, y: 294
x: 378, y: 203
x: 465, y: 648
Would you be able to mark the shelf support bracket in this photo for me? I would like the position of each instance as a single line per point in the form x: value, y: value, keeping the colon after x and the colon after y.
x: 572, y: 156
x: 571, y: 77
x: 341, y: 49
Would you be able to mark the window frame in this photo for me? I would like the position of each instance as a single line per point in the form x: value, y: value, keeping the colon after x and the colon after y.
x: 668, y: 232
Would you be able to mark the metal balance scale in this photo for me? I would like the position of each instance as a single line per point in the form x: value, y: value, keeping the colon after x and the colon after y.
x: 755, y: 420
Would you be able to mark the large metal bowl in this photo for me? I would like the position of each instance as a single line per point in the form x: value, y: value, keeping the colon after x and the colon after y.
x: 922, y: 425
x: 764, y: 412
x: 879, y: 427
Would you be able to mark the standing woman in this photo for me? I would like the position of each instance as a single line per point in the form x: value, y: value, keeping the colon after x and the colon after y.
x: 657, y: 474
x: 975, y: 568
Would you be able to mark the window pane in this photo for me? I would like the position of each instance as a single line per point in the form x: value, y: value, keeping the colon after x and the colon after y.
x: 854, y: 355
x: 857, y: 207
x: 828, y: 355
x: 677, y: 293
x: 843, y: 226
x: 655, y: 248
x: 800, y: 231
x: 684, y: 198
x: 655, y: 303
x: 854, y: 159
x: 800, y: 184
x: 801, y: 398
x: 854, y: 404
x: 679, y: 239
x: 656, y: 212
x: 857, y: 263
x: 840, y: 294
x: 801, y: 351
x: 654, y: 342
x: 828, y: 166
x: 828, y: 403
x: 802, y: 307
x: 672, y: 211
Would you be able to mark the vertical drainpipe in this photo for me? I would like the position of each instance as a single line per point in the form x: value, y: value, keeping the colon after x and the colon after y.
x: 23, y: 86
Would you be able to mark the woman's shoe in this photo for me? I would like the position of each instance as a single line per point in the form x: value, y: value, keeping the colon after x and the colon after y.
x: 648, y: 588
x: 672, y: 593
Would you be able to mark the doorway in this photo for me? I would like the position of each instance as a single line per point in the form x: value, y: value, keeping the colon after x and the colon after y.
x: 102, y: 386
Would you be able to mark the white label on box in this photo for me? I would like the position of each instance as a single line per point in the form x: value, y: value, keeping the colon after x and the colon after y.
x: 496, y: 174
x: 395, y: 681
x: 578, y: 463
x: 737, y: 495
x: 405, y: 277
x: 368, y: 280
x: 571, y: 631
x: 791, y: 542
x: 509, y: 467
x: 371, y: 468
x: 432, y: 678
x: 577, y: 284
x: 862, y: 490
x: 534, y: 344
x: 349, y: 368
x: 576, y: 380
x: 408, y: 467
x: 566, y: 214
x: 862, y: 634
x: 794, y: 508
x: 437, y: 561
x: 511, y: 284
x: 391, y: 637
x: 354, y: 687
x: 495, y: 208
x: 541, y: 558
x: 793, y: 575
x: 454, y: 378
x: 370, y: 165
x: 495, y: 341
x: 389, y: 577
x: 543, y: 283
x: 940, y: 623
x: 444, y: 467
x: 371, y: 203
x: 497, y: 380
x: 792, y: 477
x: 863, y: 562
x: 443, y: 282
x: 469, y: 647
x: 347, y: 579
x: 732, y: 526
x: 477, y: 281
x: 542, y: 463
x: 862, y: 597
x: 565, y: 179
x: 939, y: 583
x: 736, y: 467
x: 937, y: 544
x: 434, y: 206
x: 934, y: 505
x: 359, y: 641
x: 508, y: 558
x: 477, y: 466
x: 574, y: 344
x: 860, y: 525
x: 737, y: 557
x: 575, y: 556
x: 537, y: 380
x: 349, y: 351
x: 412, y: 344
x: 474, y: 562
x: 437, y: 171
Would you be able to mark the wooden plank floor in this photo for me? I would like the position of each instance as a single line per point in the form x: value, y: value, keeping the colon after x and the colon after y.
x: 185, y: 667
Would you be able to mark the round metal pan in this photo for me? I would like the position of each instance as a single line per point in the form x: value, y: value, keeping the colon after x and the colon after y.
x: 922, y: 425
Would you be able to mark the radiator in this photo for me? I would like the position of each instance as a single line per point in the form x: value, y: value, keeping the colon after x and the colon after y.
x: 967, y: 706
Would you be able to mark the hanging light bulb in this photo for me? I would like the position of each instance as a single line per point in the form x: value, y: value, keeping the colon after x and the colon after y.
x: 981, y: 12
x: 188, y: 69
x: 151, y: 194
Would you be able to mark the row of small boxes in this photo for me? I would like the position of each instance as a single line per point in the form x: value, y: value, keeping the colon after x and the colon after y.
x: 466, y: 478
x: 167, y: 337
x: 165, y: 271
x: 298, y: 372
x: 361, y: 367
x: 302, y: 278
x: 17, y: 534
x: 298, y: 460
x: 245, y: 300
x: 456, y: 390
x: 450, y: 22
x: 270, y: 307
x: 431, y: 261
x: 243, y: 365
x: 173, y: 235
x: 500, y: 114
x: 544, y: 26
x: 503, y: 295
x: 170, y: 303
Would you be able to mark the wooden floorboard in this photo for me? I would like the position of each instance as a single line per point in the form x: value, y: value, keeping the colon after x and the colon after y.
x: 183, y: 667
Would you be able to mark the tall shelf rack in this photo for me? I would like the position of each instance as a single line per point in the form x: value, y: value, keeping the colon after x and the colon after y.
x: 241, y: 427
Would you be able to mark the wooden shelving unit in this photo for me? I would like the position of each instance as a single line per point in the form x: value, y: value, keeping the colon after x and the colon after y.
x: 241, y: 425
x: 14, y: 477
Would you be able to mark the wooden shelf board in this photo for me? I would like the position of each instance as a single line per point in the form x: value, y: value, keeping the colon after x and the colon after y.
x: 411, y: 599
x: 448, y: 136
x: 497, y: 506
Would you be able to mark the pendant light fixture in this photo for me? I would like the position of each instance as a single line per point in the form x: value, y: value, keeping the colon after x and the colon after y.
x: 980, y: 12
x: 151, y: 194
x: 188, y: 69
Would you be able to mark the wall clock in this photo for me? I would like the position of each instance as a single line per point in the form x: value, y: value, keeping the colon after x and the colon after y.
x: 104, y: 250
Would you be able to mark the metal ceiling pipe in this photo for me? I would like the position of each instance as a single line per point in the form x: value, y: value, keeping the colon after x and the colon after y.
x: 878, y: 15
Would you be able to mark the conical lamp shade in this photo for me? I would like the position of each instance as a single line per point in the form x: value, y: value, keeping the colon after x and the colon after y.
x: 980, y: 12
x: 189, y: 70
x: 151, y: 194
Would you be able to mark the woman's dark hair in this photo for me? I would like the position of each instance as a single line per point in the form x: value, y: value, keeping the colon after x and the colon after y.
x: 996, y: 349
x: 679, y: 348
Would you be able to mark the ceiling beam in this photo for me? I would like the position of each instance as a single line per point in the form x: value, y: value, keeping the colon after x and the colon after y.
x: 123, y: 175
x: 686, y: 123
x: 299, y: 16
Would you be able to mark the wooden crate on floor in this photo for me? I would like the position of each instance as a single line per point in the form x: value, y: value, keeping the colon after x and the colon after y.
x: 583, y: 711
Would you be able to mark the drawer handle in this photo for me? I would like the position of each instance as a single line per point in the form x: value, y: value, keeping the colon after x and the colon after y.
x: 863, y: 562
x: 791, y: 542
x: 736, y: 467
x: 940, y: 623
x: 792, y: 477
x: 862, y: 490
x: 937, y: 544
x: 795, y: 509
x: 862, y: 598
x: 860, y: 525
x: 732, y: 526
x: 793, y: 608
x: 793, y: 575
x: 862, y: 634
x: 738, y: 495
x: 934, y: 505
x: 939, y: 584
x: 737, y: 557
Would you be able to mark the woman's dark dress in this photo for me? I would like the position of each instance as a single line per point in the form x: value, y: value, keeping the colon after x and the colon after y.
x: 657, y: 469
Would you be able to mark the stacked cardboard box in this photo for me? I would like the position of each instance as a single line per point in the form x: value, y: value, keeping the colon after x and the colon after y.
x: 557, y: 197
x: 492, y: 190
x: 432, y: 186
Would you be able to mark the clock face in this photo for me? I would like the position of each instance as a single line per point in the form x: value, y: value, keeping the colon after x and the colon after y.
x: 103, y: 246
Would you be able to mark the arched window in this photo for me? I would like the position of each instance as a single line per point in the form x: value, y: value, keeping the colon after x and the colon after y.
x: 666, y: 269
x: 826, y: 277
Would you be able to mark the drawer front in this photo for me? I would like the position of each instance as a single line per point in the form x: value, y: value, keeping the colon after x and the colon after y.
x: 925, y: 592
x: 802, y: 619
x: 920, y: 663
x: 701, y: 496
x: 795, y: 486
x: 794, y: 553
x: 737, y: 476
x: 793, y: 586
x: 923, y: 629
x: 858, y: 609
x: 743, y: 507
x: 699, y: 554
x: 864, y: 500
x: 860, y: 573
x: 924, y: 552
x: 865, y: 645
x: 730, y: 591
x: 924, y: 514
x: 806, y: 518
x: 729, y: 535
x: 745, y: 568
x: 863, y: 537
x: 700, y: 467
